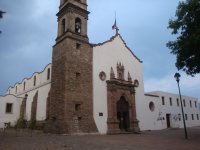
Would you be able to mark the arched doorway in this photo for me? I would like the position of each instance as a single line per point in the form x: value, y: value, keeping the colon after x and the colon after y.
x: 123, y: 114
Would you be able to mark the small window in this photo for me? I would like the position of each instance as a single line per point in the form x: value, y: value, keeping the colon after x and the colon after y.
x: 195, y: 104
x: 101, y: 114
x: 163, y: 100
x: 177, y: 102
x: 184, y: 103
x: 24, y: 86
x: 179, y: 116
x: 48, y: 74
x: 16, y: 90
x: 102, y: 76
x: 186, y: 118
x: 78, y: 76
x: 170, y: 100
x: 77, y: 107
x: 197, y: 116
x: 78, y: 111
x: 9, y: 107
x: 63, y: 26
x: 78, y: 46
x: 34, y: 81
x: 190, y: 103
x: 192, y: 116
x: 151, y: 106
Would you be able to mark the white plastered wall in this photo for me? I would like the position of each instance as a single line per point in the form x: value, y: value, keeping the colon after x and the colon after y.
x: 175, y: 110
x: 150, y: 119
x: 14, y: 115
x: 42, y: 86
x: 106, y: 56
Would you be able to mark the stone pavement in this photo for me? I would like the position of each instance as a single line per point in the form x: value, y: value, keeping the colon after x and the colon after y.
x: 169, y: 139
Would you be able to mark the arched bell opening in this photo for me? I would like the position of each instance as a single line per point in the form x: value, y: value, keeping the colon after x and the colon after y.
x: 78, y: 25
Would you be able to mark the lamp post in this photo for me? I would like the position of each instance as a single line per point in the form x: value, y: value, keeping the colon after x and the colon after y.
x: 177, y: 77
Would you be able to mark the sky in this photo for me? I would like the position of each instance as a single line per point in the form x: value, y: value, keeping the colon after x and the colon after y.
x: 29, y: 30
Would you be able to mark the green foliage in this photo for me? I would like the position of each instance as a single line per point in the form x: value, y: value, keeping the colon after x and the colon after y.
x: 22, y: 124
x: 187, y: 45
x: 1, y: 16
x: 32, y: 125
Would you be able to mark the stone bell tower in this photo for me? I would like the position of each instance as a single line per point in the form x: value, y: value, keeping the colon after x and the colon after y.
x: 70, y: 102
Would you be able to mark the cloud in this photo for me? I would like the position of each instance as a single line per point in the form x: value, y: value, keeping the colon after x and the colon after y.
x: 189, y: 85
x: 29, y: 30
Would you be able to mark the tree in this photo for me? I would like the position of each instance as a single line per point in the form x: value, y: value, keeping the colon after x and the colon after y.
x: 1, y: 16
x: 187, y: 45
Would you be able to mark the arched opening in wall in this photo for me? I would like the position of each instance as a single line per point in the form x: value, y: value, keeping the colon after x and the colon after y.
x: 123, y: 114
x: 78, y: 25
x: 63, y: 27
x: 48, y: 74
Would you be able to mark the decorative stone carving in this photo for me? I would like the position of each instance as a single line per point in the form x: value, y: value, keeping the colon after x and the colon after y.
x: 120, y: 71
x: 121, y: 102
x: 112, y: 74
x: 129, y: 77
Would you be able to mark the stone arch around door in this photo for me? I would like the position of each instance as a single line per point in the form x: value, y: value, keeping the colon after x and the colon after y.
x: 121, y: 99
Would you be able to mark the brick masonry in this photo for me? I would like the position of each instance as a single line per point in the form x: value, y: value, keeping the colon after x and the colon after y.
x: 70, y: 103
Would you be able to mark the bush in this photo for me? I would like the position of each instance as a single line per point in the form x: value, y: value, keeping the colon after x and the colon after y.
x: 21, y: 124
x: 33, y: 125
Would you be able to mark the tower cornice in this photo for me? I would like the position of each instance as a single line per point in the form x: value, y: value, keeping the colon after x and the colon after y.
x: 69, y: 7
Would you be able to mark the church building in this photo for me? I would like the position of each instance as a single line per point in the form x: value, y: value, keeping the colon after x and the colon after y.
x: 92, y: 88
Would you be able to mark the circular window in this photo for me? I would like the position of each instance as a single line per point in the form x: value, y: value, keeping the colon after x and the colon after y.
x: 136, y: 83
x: 151, y: 106
x: 102, y: 76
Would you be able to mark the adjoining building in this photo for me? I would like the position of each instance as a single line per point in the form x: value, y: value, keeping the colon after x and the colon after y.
x: 166, y: 110
x: 92, y: 87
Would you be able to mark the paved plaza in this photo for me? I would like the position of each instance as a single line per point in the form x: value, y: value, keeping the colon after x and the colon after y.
x: 169, y: 139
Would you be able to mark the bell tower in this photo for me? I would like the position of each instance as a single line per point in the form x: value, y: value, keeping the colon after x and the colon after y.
x: 72, y: 19
x: 70, y: 102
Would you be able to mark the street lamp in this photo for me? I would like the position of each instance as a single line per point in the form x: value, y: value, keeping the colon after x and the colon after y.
x: 177, y: 77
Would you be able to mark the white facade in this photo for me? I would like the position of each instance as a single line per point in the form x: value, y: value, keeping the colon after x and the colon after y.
x: 106, y: 55
x: 167, y: 112
x: 11, y: 115
x: 39, y: 82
